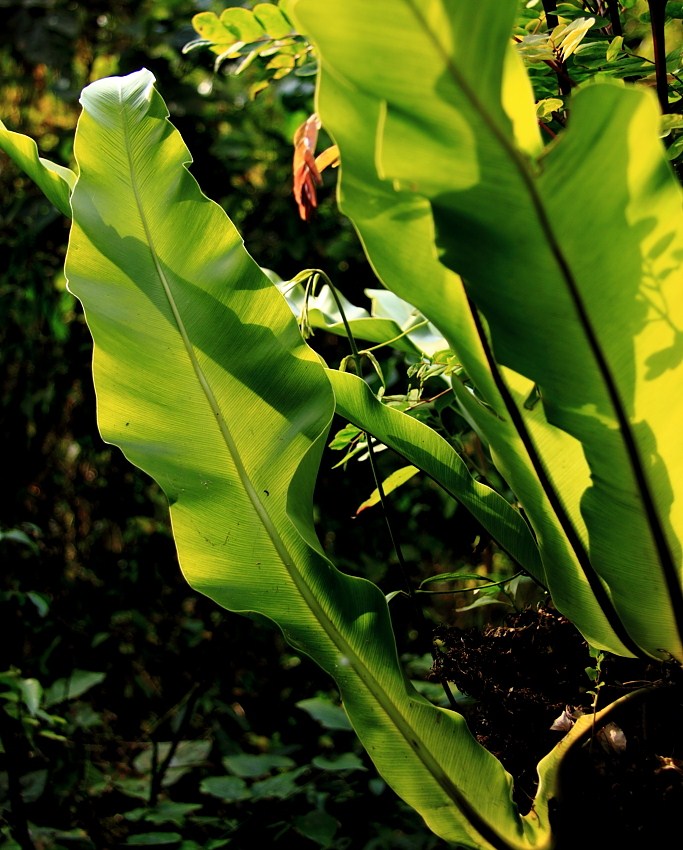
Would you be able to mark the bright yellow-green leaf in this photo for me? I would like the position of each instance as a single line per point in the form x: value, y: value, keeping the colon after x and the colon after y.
x: 615, y: 47
x: 272, y: 20
x: 204, y: 381
x: 209, y: 26
x: 243, y: 23
x: 390, y: 483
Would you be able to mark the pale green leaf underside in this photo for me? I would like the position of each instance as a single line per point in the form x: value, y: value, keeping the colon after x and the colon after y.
x: 390, y: 321
x: 203, y: 380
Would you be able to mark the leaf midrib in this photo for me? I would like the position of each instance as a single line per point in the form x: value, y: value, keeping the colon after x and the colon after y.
x: 658, y: 535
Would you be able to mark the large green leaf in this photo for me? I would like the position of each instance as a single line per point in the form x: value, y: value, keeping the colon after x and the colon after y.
x: 397, y: 231
x: 55, y: 180
x: 434, y: 125
x: 204, y: 381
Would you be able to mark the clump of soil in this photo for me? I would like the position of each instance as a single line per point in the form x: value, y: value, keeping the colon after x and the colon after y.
x: 523, y: 675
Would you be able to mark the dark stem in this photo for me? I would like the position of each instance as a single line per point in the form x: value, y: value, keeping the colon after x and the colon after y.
x: 551, y: 19
x: 14, y: 744
x: 615, y: 18
x: 550, y: 9
x: 160, y: 770
x: 657, y: 18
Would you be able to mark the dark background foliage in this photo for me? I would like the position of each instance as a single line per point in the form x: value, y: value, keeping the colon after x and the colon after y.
x: 90, y: 580
x: 107, y: 657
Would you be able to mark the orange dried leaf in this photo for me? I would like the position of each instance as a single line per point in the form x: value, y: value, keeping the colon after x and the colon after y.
x: 306, y: 174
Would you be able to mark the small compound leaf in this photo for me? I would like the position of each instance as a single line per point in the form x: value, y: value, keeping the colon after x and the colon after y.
x: 243, y: 23
x: 346, y: 761
x: 273, y: 20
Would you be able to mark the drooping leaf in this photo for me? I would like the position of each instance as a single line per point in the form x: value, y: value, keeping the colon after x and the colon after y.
x: 390, y: 483
x: 32, y: 693
x: 55, y: 180
x: 390, y: 321
x: 204, y: 381
x: 566, y: 38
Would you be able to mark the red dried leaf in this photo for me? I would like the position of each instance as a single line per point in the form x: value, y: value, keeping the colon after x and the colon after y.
x: 306, y: 174
x: 307, y: 167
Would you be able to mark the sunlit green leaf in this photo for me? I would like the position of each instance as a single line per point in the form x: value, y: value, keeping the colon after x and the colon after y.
x: 55, y: 180
x: 272, y: 20
x: 204, y: 381
x: 615, y: 47
x: 396, y: 479
x: 598, y: 428
x: 242, y: 23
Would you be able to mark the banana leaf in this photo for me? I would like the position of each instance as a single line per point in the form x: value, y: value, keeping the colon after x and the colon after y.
x: 204, y: 381
x: 570, y: 283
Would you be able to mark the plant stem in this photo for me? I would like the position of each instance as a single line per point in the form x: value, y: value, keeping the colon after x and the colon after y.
x: 657, y: 18
x: 14, y: 744
x: 417, y: 609
x: 615, y: 18
x: 550, y: 9
x: 160, y: 770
